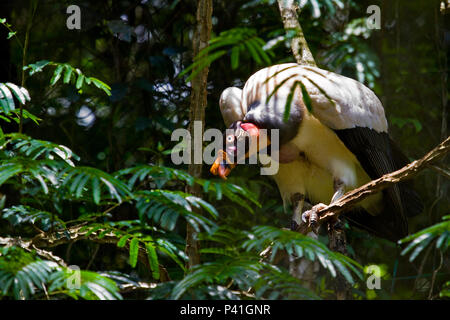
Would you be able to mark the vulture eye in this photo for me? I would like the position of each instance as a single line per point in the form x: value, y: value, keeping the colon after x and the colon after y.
x: 230, y: 138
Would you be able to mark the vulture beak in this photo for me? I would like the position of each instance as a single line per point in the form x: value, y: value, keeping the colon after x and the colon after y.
x: 224, y: 163
x: 222, y: 166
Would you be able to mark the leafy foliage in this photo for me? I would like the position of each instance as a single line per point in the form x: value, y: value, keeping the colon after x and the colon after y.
x: 439, y: 233
x: 23, y: 145
x: 235, y: 41
x: 7, y: 92
x: 348, y: 52
x: 93, y: 286
x: 302, y: 246
x: 69, y: 74
x: 23, y: 276
x: 17, y: 215
x: 77, y: 179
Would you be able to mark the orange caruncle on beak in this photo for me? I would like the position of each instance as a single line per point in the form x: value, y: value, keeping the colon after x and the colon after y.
x: 222, y: 166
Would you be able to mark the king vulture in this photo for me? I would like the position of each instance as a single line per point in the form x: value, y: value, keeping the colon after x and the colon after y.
x: 337, y: 144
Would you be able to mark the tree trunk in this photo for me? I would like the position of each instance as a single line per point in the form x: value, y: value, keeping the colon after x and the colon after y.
x: 201, y: 39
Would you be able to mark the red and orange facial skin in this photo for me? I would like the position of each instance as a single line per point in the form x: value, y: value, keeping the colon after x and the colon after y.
x: 226, y: 160
x: 222, y: 166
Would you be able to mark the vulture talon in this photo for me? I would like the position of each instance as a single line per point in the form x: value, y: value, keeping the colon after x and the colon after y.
x: 311, y: 217
x: 305, y: 216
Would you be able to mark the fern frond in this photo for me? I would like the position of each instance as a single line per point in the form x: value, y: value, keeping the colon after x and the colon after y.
x: 42, y: 171
x: 7, y: 92
x: 237, y: 41
x: 302, y: 246
x: 79, y: 179
x: 69, y: 74
x: 160, y: 175
x: 164, y: 207
x: 21, y: 214
x: 38, y: 149
x: 439, y: 232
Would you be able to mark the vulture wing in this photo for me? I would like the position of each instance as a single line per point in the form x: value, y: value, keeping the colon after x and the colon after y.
x: 357, y: 117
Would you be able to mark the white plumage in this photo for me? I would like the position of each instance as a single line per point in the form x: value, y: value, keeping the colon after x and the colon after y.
x: 354, y: 103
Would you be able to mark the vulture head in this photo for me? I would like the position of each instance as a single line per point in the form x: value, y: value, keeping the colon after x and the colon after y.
x: 241, y: 141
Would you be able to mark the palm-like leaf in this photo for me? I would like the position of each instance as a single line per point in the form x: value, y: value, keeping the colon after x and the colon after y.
x: 439, y: 232
x: 93, y: 286
x: 7, y: 92
x: 20, y: 214
x: 242, y: 269
x: 164, y: 207
x: 69, y: 74
x: 236, y: 41
x: 42, y: 171
x: 38, y: 149
x: 161, y: 175
x: 79, y: 179
x: 302, y: 246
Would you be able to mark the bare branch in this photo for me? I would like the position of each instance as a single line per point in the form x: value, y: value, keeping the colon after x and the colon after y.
x: 29, y: 246
x: 351, y: 198
x: 71, y: 235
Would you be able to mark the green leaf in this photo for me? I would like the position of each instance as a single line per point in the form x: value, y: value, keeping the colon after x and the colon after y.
x: 8, y: 171
x: 56, y: 74
x: 17, y: 92
x: 101, y: 85
x: 134, y: 251
x: 306, y: 97
x: 36, y: 67
x: 96, y: 190
x: 6, y: 99
x: 153, y: 260
x: 123, y: 241
x: 80, y: 81
x: 68, y: 74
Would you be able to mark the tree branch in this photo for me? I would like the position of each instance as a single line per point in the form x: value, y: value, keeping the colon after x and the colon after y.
x: 71, y: 235
x: 299, y: 46
x: 29, y: 246
x: 351, y: 198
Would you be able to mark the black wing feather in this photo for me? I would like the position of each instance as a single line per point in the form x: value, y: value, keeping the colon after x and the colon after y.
x: 377, y: 156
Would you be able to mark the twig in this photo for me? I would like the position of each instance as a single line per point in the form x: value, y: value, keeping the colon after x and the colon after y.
x: 33, y: 7
x: 129, y: 287
x: 93, y: 256
x: 433, y: 279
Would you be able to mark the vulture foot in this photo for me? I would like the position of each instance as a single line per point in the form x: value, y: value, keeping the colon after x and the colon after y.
x: 311, y: 217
